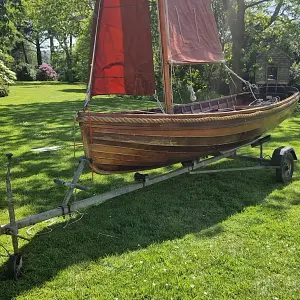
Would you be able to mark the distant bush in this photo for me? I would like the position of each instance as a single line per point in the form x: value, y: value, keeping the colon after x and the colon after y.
x: 25, y: 72
x: 46, y: 73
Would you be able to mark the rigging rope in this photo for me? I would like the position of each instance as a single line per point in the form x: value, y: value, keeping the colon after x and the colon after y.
x: 247, y: 83
x: 53, y: 221
x: 91, y: 144
x: 159, y: 103
x: 257, y: 102
x: 74, y: 150
x: 232, y: 95
x: 88, y: 92
x: 74, y: 140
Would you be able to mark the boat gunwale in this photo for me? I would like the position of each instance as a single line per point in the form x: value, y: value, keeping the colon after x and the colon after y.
x: 132, y: 115
x: 189, y: 126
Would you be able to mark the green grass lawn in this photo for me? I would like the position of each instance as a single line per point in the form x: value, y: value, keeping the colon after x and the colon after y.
x: 219, y: 236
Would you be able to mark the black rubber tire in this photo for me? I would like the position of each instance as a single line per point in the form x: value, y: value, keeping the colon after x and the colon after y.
x: 14, y: 266
x: 188, y: 163
x: 285, y: 171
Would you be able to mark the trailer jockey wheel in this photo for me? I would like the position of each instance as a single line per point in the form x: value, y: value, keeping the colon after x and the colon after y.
x: 285, y: 171
x: 14, y: 266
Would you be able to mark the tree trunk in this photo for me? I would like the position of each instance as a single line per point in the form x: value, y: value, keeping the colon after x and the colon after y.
x: 52, y: 49
x: 68, y: 51
x: 24, y: 52
x: 236, y: 19
x: 71, y: 44
x: 38, y: 51
x: 69, y: 67
x: 70, y: 61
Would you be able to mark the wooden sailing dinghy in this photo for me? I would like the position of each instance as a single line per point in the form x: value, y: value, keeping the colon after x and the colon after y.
x: 122, y: 63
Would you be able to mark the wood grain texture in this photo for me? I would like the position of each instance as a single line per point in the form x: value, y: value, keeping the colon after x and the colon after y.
x: 136, y: 141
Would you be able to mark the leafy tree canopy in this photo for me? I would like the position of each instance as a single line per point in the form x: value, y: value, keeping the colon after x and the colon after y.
x: 246, y: 28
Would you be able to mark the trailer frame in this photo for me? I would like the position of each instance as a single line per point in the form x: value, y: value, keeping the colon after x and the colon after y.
x: 282, y: 161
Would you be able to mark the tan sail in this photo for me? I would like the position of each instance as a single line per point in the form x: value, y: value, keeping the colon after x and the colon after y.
x: 192, y: 32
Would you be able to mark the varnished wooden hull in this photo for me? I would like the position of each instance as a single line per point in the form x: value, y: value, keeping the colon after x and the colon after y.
x: 135, y: 141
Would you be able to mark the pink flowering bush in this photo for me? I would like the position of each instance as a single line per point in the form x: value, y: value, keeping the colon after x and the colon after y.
x: 46, y: 73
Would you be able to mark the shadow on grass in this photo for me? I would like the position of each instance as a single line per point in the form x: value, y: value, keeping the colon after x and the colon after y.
x: 79, y: 90
x: 44, y: 83
x: 166, y: 211
x: 52, y: 121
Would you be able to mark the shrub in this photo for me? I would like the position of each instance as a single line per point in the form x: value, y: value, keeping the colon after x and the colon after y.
x: 7, y: 77
x: 46, y: 73
x: 25, y: 72
x: 4, y: 90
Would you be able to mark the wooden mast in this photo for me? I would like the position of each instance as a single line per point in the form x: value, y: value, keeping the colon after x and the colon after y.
x: 166, y: 65
x: 89, y: 89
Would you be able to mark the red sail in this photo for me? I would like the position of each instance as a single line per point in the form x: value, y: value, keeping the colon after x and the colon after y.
x: 193, y: 34
x: 123, y: 60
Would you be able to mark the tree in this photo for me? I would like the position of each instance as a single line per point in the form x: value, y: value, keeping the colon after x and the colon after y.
x: 9, y: 12
x: 236, y: 14
x: 83, y: 50
x: 32, y: 28
x: 61, y: 20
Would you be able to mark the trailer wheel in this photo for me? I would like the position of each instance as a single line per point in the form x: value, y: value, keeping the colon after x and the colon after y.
x: 188, y: 163
x: 285, y: 171
x: 14, y: 266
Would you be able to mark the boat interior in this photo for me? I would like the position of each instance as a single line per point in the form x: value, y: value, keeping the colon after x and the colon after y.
x: 267, y: 95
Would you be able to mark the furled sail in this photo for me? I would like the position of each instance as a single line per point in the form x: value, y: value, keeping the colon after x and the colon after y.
x: 192, y: 32
x: 123, y: 59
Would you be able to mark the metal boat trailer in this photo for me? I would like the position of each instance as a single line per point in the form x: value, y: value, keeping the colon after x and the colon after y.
x: 282, y: 162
